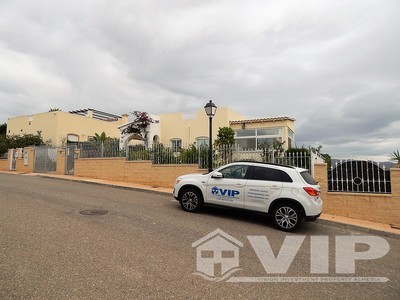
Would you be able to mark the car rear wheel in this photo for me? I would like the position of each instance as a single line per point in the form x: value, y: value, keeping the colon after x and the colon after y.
x: 191, y: 200
x: 286, y: 216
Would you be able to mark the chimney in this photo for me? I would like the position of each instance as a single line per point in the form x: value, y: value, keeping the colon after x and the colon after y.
x: 124, y: 119
x: 89, y: 113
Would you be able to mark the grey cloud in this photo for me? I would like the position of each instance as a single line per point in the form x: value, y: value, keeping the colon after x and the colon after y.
x: 332, y: 65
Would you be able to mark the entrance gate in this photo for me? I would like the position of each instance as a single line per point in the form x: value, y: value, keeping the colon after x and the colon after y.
x: 45, y: 160
x: 13, y: 164
x: 70, y: 159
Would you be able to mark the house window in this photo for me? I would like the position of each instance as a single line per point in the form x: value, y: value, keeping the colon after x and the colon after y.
x: 176, y: 143
x: 268, y: 142
x: 72, y: 138
x: 243, y: 133
x: 290, y: 138
x: 269, y: 131
x: 258, y: 138
x: 249, y: 143
x: 156, y: 139
x: 202, y: 142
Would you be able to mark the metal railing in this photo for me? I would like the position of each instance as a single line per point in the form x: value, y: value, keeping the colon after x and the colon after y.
x: 358, y: 176
x: 190, y: 154
x: 100, y: 149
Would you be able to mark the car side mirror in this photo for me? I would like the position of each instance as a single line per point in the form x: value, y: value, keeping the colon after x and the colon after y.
x: 217, y: 175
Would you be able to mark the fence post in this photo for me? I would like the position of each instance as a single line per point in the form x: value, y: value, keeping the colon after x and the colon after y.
x: 313, y: 159
x: 11, y: 159
x: 61, y: 162
x: 395, y: 185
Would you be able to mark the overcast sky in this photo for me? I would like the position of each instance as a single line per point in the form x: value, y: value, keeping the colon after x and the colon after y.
x: 332, y: 65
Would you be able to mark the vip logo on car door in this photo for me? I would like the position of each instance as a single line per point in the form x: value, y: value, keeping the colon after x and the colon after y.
x: 228, y: 190
x: 224, y: 194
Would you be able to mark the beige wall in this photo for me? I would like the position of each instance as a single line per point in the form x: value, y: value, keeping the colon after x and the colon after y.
x: 141, y: 172
x: 4, y: 165
x: 84, y: 127
x: 44, y: 122
x: 175, y: 125
x: 371, y: 207
x: 55, y: 126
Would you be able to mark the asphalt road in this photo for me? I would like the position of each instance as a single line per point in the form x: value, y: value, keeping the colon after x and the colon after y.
x: 142, y: 248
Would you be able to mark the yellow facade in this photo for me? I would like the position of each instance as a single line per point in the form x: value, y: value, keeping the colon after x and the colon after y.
x: 176, y: 126
x: 56, y: 126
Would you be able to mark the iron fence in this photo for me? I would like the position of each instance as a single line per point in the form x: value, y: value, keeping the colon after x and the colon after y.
x: 190, y: 154
x: 358, y: 176
x: 161, y: 154
x: 100, y: 149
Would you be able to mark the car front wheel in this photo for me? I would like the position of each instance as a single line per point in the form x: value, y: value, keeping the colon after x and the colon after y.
x: 191, y: 200
x: 286, y: 216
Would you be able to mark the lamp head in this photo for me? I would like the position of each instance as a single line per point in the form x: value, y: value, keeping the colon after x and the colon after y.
x: 210, y: 109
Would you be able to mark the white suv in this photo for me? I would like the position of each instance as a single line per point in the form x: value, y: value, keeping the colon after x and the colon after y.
x: 288, y: 194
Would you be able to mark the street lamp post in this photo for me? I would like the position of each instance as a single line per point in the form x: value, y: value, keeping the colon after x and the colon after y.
x: 210, y: 108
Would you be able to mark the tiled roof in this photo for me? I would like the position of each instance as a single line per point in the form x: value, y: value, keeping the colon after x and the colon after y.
x: 263, y: 120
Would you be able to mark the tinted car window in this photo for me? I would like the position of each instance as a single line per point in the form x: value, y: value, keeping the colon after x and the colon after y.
x: 269, y: 174
x: 235, y: 172
x: 308, y: 178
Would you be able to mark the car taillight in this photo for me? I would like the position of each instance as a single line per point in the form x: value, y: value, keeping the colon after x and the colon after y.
x: 311, y: 191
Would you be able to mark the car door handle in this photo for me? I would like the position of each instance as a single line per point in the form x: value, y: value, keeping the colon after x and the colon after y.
x: 275, y: 187
x: 239, y: 185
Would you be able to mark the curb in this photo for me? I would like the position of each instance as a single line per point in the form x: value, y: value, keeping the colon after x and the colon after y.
x: 360, y: 228
x: 107, y: 184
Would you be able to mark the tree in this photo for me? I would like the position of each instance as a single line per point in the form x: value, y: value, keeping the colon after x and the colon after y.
x: 19, y: 141
x: 54, y: 109
x: 225, y: 137
x: 3, y: 129
x: 100, y: 138
x: 395, y: 156
x: 139, y: 125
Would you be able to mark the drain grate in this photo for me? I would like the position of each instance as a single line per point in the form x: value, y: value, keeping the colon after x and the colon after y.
x: 93, y: 212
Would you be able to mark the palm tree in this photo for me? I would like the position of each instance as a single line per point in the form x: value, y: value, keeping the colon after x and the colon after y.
x: 100, y: 138
x: 395, y: 156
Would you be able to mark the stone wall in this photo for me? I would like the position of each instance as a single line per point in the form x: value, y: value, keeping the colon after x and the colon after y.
x: 4, y: 164
x: 141, y: 172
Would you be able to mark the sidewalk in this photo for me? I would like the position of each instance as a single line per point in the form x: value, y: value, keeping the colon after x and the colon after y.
x: 367, y: 226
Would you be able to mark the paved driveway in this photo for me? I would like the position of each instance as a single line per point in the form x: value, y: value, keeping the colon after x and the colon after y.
x: 142, y: 248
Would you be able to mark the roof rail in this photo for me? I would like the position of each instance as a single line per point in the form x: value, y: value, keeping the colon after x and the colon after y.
x: 264, y: 163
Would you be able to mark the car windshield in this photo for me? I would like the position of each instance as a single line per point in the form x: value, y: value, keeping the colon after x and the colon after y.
x: 308, y: 178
